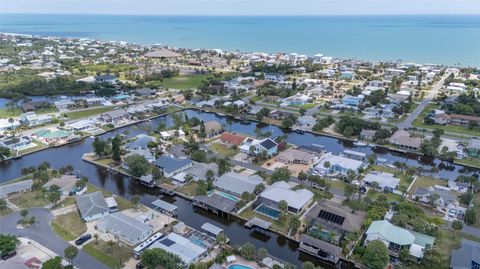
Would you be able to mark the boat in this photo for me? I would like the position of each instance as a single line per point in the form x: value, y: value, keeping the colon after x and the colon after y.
x: 360, y: 144
x: 299, y: 131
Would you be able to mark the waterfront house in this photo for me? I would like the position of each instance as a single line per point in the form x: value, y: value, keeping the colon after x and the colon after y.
x: 255, y: 146
x: 92, y: 206
x: 295, y: 156
x: 81, y: 125
x: 367, y: 135
x: 355, y: 155
x: 232, y: 139
x: 52, y: 137
x: 188, y: 251
x: 320, y: 249
x: 125, y: 228
x: 16, y: 143
x: 395, y: 238
x: 404, y: 140
x: 236, y: 183
x: 297, y: 200
x: 171, y: 166
x: 67, y: 184
x: 386, y: 181
x: 274, y: 77
x: 31, y: 119
x: 306, y: 121
x: 35, y: 105
x: 141, y: 141
x: 467, y: 256
x: 114, y: 116
x: 111, y: 79
x: 145, y: 92
x: 330, y: 164
x: 330, y: 221
x: 473, y: 149
x: 212, y: 128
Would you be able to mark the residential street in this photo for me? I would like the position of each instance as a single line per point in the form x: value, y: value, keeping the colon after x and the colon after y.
x: 407, y: 123
x: 43, y: 234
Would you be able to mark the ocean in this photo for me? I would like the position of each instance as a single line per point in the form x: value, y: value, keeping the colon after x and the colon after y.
x: 440, y: 39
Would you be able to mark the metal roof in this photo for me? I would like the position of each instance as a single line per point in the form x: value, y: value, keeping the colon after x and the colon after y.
x: 211, y: 228
x: 164, y: 205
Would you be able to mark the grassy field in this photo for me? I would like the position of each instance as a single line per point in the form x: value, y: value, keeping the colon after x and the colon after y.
x: 424, y: 182
x: 8, y: 113
x: 109, y: 253
x: 122, y: 202
x: 69, y: 226
x: 5, y: 211
x: 223, y: 150
x: 66, y: 202
x: 38, y: 146
x: 181, y: 82
x: 89, y: 112
x: 474, y: 162
x: 30, y: 199
x: 189, y: 189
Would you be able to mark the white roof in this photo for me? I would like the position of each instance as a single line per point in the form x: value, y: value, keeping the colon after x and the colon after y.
x: 111, y: 202
x: 383, y: 179
x: 180, y: 246
x: 344, y: 162
x: 281, y: 190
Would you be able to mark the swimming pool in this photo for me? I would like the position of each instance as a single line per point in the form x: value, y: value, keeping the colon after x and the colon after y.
x: 268, y: 211
x: 224, y: 194
x: 239, y: 266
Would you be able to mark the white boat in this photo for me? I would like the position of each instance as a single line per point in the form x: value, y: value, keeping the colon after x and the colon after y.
x: 360, y: 144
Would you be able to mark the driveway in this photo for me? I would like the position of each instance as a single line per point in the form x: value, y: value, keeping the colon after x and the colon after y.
x: 43, y: 234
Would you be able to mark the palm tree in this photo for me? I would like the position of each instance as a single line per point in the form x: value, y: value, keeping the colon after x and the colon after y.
x: 70, y: 254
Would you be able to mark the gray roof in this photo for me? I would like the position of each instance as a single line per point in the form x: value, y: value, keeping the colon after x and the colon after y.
x: 164, y: 205
x: 332, y: 249
x: 91, y: 204
x: 121, y: 224
x: 383, y: 179
x: 352, y: 221
x: 170, y: 164
x: 211, y: 228
x: 238, y: 183
x: 257, y: 222
x: 216, y: 201
x: 15, y: 187
x: 463, y: 257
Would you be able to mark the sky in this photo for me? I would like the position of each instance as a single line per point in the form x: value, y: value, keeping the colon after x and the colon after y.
x: 242, y: 7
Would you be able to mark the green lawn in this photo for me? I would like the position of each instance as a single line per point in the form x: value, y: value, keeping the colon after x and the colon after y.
x: 474, y: 162
x: 69, y: 226
x: 189, y: 189
x: 391, y: 197
x: 305, y: 106
x: 404, y: 179
x: 223, y: 149
x: 426, y: 182
x: 47, y: 110
x: 38, y: 146
x: 30, y: 199
x: 87, y: 113
x: 181, y: 82
x: 66, y: 202
x: 109, y: 253
x: 122, y: 202
x: 5, y: 211
x: 7, y: 113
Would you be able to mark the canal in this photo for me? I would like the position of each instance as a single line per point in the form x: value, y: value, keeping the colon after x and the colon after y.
x: 276, y: 245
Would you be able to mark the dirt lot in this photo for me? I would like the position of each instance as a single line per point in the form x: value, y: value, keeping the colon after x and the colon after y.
x: 272, y: 164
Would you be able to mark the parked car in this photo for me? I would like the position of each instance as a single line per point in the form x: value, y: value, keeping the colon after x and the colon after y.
x: 452, y: 213
x: 9, y: 255
x: 84, y: 238
x: 460, y: 215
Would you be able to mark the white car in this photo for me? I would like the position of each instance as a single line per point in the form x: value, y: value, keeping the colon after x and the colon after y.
x: 452, y: 213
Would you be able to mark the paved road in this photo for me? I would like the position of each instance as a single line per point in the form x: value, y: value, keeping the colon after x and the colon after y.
x: 407, y: 123
x: 471, y: 230
x: 43, y: 234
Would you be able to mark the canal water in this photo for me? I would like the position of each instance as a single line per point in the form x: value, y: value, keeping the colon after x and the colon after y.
x: 278, y: 246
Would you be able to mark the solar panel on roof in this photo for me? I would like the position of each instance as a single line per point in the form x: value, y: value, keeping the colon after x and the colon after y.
x: 331, y: 217
x: 167, y: 242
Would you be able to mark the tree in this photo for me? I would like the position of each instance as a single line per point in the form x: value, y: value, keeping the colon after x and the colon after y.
x: 261, y: 254
x: 202, y: 132
x: 116, y: 150
x: 135, y: 200
x: 95, y: 236
x: 4, y: 153
x: 70, y: 254
x: 349, y: 190
x: 247, y: 251
x: 326, y: 164
x: 54, y: 196
x: 24, y: 213
x: 221, y: 239
x: 302, y: 176
x: 223, y: 166
x: 8, y: 243
x: 302, y: 111
x: 308, y: 265
x: 283, y: 206
x: 137, y: 165
x: 470, y: 216
x: 294, y: 224
x: 156, y: 173
x: 281, y: 174
x: 457, y: 225
x: 376, y: 255
x: 53, y: 263
x: 288, y: 122
x: 157, y: 257
x: 99, y: 146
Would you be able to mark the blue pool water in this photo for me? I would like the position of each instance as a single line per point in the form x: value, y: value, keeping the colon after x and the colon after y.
x: 270, y: 212
x: 239, y: 266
